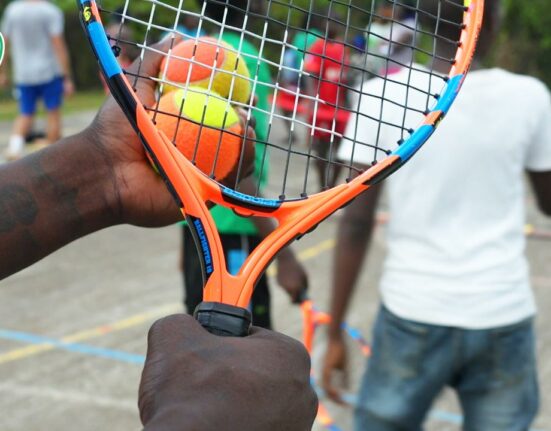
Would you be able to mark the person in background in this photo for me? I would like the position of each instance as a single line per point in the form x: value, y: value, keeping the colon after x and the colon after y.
x: 41, y: 70
x: 313, y: 27
x: 241, y: 235
x: 189, y: 27
x: 191, y: 379
x: 457, y: 307
x: 390, y: 37
x: 118, y: 33
x: 293, y: 62
x: 327, y: 61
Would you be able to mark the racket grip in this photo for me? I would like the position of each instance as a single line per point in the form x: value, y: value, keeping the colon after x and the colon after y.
x: 223, y: 319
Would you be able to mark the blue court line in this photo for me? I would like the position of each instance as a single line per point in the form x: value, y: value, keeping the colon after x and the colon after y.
x: 131, y: 358
x: 85, y: 349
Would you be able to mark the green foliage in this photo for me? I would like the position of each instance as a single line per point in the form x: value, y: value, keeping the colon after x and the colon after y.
x: 524, y: 45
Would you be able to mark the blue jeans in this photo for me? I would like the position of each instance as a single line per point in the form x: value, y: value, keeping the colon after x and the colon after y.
x: 493, y: 372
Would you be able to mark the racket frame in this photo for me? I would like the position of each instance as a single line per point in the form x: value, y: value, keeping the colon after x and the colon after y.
x: 192, y: 189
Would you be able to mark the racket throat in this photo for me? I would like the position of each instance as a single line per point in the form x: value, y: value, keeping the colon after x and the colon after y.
x: 223, y: 319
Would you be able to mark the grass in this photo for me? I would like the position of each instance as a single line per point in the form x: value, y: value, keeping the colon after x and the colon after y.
x: 80, y: 101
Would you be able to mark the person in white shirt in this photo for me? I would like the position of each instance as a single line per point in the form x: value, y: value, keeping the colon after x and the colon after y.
x: 457, y: 307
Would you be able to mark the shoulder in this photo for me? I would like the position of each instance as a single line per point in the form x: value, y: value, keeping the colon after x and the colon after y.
x: 528, y: 85
x: 12, y: 8
x: 52, y: 10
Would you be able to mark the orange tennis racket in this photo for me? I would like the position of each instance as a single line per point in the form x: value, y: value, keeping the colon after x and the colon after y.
x: 403, y: 81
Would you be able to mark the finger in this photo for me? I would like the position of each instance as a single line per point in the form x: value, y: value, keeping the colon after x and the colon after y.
x: 345, y: 376
x: 334, y: 395
x: 245, y: 120
x: 174, y: 332
x: 327, y: 384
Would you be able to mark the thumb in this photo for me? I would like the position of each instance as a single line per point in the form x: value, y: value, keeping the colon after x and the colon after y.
x: 174, y: 333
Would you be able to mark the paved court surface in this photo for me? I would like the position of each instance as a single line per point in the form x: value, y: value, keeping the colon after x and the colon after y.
x: 73, y: 327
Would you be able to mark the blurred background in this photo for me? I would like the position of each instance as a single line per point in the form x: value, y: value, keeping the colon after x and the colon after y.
x: 93, y: 301
x: 525, y: 45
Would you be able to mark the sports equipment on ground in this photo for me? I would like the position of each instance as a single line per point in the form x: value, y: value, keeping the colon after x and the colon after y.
x: 312, y: 319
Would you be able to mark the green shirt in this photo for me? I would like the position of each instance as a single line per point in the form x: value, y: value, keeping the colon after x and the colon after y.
x: 226, y: 220
x: 303, y: 40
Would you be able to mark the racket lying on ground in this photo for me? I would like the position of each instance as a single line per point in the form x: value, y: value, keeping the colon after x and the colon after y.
x: 418, y: 74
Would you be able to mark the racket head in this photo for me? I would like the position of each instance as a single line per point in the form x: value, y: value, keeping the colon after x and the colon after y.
x: 292, y: 195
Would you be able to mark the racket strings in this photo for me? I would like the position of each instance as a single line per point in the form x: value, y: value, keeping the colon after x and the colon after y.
x: 386, y: 57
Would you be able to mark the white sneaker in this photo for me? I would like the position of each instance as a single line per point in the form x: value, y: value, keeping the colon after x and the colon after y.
x: 16, y: 148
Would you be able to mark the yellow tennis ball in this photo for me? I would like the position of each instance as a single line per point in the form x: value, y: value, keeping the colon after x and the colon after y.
x: 205, y: 128
x: 197, y: 62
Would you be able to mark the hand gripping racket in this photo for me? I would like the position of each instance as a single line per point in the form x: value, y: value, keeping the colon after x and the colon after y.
x: 359, y: 108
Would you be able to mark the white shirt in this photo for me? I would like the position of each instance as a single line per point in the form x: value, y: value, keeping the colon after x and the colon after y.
x: 390, y: 40
x: 455, y: 236
x: 29, y: 27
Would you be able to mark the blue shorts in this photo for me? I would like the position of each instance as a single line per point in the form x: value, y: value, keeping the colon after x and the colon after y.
x: 51, y: 92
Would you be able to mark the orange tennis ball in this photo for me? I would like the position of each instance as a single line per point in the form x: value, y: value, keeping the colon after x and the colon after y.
x: 205, y: 128
x: 198, y: 62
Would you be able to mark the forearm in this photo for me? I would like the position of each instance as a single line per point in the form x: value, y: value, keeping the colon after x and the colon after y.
x: 541, y: 184
x: 52, y: 198
x: 353, y: 239
x: 62, y: 55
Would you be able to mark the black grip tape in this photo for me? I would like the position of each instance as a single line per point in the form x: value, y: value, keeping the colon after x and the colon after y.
x: 223, y: 319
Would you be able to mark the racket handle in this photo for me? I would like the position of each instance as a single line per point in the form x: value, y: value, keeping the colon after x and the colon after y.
x: 223, y: 319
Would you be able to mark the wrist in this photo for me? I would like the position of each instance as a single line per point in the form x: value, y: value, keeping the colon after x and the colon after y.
x: 85, y: 182
x: 335, y: 332
x: 109, y: 208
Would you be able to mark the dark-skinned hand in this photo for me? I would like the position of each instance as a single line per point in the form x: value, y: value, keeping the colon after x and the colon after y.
x: 194, y: 380
x: 140, y: 195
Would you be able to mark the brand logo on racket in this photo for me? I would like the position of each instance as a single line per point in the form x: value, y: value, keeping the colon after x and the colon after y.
x: 204, y: 245
x: 87, y: 14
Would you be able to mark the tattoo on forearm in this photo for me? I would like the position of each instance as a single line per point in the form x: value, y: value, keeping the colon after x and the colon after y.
x: 20, y: 204
x: 17, y: 206
x: 63, y: 197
